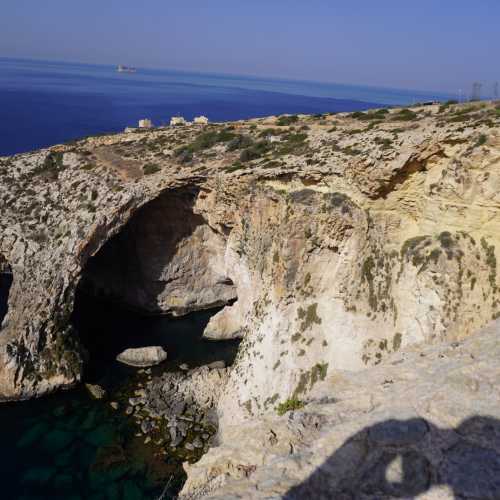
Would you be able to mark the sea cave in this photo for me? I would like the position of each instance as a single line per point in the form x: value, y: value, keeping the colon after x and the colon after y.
x: 156, y: 282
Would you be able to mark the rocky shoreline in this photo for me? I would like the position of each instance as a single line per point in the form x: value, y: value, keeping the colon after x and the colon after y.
x: 176, y: 410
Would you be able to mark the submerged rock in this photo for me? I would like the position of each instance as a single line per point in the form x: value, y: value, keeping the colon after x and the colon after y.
x: 96, y: 391
x: 143, y: 356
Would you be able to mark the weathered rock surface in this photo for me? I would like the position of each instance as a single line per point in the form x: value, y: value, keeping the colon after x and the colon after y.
x: 143, y: 356
x: 423, y: 424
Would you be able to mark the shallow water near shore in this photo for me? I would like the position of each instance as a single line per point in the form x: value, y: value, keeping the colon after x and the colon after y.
x: 70, y: 446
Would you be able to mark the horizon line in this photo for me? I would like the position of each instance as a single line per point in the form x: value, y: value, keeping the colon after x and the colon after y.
x: 240, y: 75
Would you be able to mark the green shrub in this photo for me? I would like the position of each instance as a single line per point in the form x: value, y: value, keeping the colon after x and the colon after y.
x: 255, y: 151
x: 52, y: 165
x: 287, y: 120
x: 292, y: 144
x: 184, y: 155
x: 237, y: 165
x: 446, y: 105
x: 150, y: 168
x: 269, y: 131
x: 206, y: 140
x: 349, y: 150
x: 370, y: 115
x: 239, y: 142
x: 354, y: 131
x: 290, y: 404
x: 405, y: 115
x: 481, y: 140
x: 384, y: 142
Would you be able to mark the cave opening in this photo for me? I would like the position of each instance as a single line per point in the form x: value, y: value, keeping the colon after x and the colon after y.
x: 157, y: 282
x: 6, y: 278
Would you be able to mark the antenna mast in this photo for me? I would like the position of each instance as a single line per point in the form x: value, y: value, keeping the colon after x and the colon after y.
x: 476, y: 91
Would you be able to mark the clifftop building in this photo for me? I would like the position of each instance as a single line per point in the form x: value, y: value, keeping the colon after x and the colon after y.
x: 200, y: 120
x: 177, y: 120
x: 145, y: 123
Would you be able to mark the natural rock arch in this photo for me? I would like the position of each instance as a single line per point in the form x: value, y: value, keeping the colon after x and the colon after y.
x: 166, y: 260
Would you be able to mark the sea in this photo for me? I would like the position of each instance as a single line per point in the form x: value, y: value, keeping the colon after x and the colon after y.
x: 44, y: 103
x: 68, y: 445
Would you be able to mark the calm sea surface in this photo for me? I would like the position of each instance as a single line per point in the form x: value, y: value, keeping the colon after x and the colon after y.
x: 45, y: 103
x: 68, y: 446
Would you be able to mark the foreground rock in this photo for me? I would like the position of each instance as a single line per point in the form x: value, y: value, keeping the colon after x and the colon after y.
x: 143, y: 356
x: 424, y: 424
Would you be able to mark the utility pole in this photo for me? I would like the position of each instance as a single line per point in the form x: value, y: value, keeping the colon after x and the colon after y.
x: 476, y: 91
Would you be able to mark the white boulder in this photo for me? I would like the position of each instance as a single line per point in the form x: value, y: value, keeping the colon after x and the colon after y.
x: 143, y: 356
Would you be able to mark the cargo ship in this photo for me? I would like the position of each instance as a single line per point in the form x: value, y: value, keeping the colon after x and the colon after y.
x: 125, y: 69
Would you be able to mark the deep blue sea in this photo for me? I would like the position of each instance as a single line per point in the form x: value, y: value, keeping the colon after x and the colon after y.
x: 68, y: 446
x: 45, y: 103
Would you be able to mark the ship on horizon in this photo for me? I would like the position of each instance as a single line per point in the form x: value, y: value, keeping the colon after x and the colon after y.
x: 125, y: 69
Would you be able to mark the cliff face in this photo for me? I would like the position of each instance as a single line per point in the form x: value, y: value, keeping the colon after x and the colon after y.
x: 425, y: 423
x: 344, y: 238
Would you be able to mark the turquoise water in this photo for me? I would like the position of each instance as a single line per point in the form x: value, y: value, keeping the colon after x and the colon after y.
x: 45, y: 103
x: 70, y: 446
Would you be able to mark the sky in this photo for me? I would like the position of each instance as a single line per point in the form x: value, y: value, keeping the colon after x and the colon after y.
x: 441, y: 45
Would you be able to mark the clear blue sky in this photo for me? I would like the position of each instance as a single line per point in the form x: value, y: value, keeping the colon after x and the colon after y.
x: 424, y: 44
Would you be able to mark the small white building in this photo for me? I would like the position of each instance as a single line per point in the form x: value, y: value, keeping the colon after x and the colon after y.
x: 177, y: 121
x: 200, y: 120
x: 145, y: 123
x: 273, y: 138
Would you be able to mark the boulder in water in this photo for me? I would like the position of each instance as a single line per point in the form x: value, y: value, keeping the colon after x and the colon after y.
x: 96, y: 391
x: 143, y: 356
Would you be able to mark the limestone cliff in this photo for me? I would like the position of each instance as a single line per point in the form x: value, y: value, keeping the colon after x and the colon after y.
x: 343, y: 238
x: 424, y: 424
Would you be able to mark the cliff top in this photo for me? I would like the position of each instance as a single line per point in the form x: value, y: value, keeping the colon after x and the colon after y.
x: 366, y: 149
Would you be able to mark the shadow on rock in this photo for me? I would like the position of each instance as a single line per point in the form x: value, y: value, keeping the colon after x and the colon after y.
x: 406, y: 458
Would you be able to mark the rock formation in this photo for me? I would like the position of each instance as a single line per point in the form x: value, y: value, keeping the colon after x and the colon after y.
x: 425, y: 424
x: 333, y: 241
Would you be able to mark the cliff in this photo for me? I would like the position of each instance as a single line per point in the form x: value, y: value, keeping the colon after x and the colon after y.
x: 425, y: 424
x: 334, y: 241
